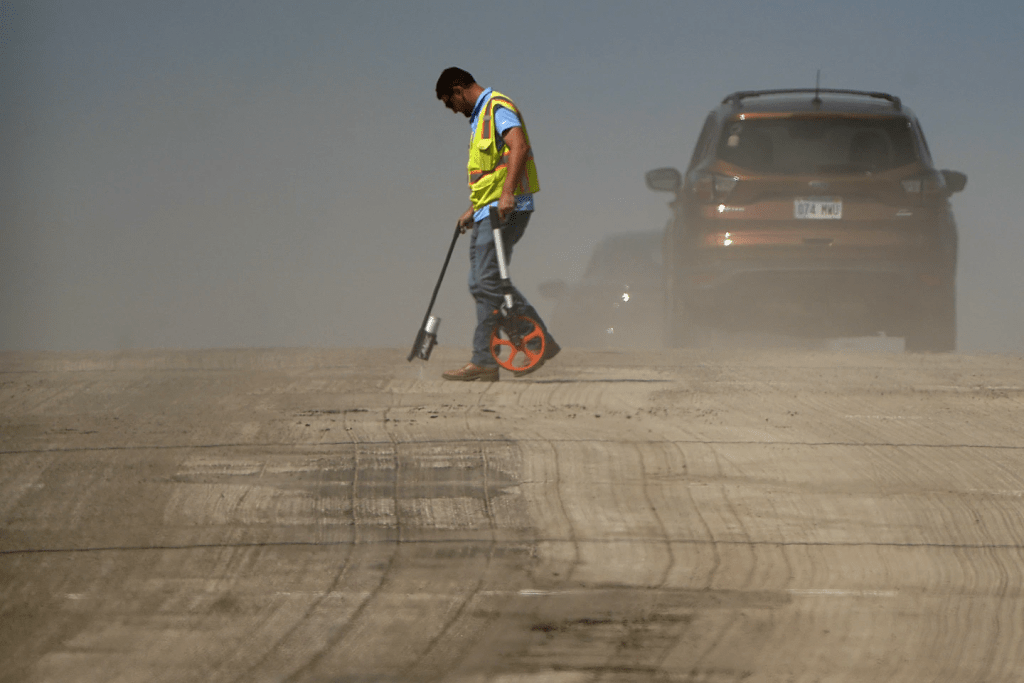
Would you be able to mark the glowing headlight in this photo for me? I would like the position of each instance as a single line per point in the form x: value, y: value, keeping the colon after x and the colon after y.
x: 625, y: 296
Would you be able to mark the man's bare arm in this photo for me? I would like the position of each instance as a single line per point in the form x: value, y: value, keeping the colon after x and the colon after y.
x: 518, y: 151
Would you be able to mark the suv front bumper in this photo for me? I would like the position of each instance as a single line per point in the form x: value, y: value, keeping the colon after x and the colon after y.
x: 820, y: 301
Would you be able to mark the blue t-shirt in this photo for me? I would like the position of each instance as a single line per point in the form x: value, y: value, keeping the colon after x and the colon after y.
x: 504, y: 119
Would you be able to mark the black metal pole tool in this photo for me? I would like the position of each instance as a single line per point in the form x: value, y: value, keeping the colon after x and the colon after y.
x: 427, y: 336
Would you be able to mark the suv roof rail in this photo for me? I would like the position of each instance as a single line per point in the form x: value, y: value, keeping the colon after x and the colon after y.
x: 738, y: 97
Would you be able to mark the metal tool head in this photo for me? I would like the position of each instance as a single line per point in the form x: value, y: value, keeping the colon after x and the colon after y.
x: 426, y: 339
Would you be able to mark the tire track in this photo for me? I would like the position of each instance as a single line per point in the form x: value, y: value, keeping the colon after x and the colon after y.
x: 409, y: 672
x: 716, y: 562
x: 294, y: 632
x: 671, y: 563
x: 315, y: 660
x: 624, y: 656
x: 731, y: 622
x: 572, y: 529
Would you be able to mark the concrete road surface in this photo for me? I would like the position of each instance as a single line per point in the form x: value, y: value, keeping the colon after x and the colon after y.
x: 240, y: 516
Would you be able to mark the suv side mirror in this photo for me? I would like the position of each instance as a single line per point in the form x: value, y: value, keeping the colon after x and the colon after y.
x: 664, y: 180
x: 955, y: 180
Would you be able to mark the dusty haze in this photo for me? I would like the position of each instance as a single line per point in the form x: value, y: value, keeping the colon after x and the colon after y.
x: 208, y: 174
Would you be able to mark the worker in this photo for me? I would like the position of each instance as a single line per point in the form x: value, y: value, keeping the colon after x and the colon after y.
x: 502, y: 174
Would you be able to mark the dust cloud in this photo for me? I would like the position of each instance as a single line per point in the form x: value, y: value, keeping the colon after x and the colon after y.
x: 185, y: 177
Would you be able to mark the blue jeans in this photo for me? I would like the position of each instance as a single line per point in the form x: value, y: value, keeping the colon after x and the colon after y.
x: 485, y: 280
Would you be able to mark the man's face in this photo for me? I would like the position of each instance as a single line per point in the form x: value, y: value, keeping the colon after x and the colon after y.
x: 458, y: 102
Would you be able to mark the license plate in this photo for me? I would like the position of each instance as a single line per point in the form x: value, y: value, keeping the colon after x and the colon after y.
x: 818, y: 208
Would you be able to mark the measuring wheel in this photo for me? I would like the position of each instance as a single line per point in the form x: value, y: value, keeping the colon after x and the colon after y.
x: 517, y: 343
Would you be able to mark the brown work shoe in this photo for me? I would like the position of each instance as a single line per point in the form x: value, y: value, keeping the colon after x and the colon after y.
x: 471, y: 372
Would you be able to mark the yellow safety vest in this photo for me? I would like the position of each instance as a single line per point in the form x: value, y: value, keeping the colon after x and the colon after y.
x: 487, y: 167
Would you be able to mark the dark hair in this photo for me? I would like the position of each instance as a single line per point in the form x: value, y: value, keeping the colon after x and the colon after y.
x: 451, y: 77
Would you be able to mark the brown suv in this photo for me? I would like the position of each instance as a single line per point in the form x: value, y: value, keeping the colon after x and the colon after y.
x: 812, y: 213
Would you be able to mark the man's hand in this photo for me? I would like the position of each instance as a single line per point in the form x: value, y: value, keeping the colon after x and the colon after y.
x: 465, y: 221
x: 506, y: 204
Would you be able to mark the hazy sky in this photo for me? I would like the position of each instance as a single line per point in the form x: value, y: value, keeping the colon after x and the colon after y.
x: 207, y: 174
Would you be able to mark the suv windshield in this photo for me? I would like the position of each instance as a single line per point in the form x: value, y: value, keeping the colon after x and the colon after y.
x: 818, y: 144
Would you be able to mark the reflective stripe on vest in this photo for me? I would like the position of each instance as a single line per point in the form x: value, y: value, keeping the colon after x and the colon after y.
x: 486, y: 123
x: 477, y: 175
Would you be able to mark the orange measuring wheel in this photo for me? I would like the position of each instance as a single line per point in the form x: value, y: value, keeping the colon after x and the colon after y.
x: 520, y: 350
